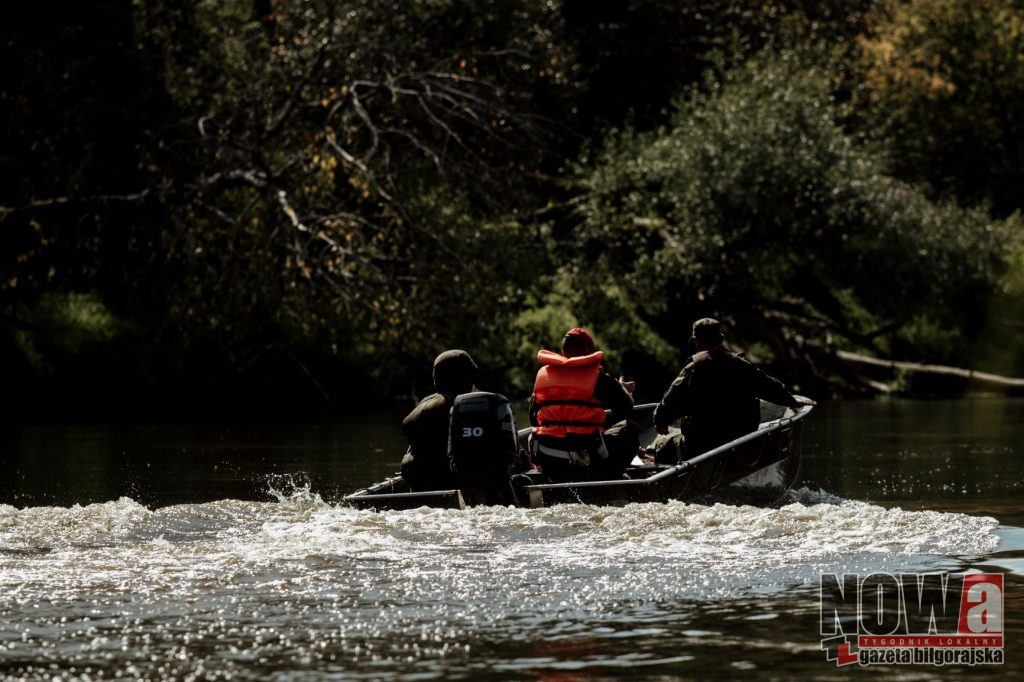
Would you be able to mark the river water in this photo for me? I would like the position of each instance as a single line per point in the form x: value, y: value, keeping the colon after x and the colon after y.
x: 215, y: 551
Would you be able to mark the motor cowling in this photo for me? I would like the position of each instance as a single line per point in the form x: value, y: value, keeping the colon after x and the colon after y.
x: 483, y: 447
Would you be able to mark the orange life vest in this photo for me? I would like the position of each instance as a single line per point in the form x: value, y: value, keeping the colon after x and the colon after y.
x: 564, y: 395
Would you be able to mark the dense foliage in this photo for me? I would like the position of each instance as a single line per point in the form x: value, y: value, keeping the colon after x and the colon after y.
x: 942, y: 82
x: 277, y: 203
x: 755, y: 195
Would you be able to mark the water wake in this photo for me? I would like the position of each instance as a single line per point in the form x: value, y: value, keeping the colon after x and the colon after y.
x: 116, y: 583
x: 814, y: 531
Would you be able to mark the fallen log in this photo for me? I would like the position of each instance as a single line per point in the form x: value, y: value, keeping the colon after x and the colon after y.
x: 891, y: 376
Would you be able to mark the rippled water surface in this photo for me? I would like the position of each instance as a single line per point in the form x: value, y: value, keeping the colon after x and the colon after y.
x: 108, y: 569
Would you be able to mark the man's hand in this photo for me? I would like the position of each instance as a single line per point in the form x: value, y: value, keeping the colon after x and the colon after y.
x: 628, y: 384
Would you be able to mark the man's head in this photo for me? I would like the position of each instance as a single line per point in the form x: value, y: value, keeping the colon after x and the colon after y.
x: 454, y: 372
x: 577, y: 342
x: 707, y: 333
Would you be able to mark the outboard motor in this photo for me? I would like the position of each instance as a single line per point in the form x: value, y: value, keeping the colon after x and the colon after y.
x: 483, y: 447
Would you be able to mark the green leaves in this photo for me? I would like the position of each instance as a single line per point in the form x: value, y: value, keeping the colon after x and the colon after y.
x: 370, y: 183
x: 943, y: 85
x: 757, y: 199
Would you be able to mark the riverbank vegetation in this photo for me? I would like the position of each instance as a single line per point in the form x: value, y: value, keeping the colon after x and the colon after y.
x: 275, y: 205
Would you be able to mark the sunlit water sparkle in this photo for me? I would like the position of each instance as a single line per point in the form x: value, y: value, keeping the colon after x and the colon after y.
x: 241, y: 589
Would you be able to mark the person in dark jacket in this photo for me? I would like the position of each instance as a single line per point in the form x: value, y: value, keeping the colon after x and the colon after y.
x: 425, y: 465
x: 716, y: 395
x: 570, y: 440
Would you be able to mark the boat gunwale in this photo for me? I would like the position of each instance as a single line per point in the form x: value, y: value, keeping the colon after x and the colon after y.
x: 764, y: 430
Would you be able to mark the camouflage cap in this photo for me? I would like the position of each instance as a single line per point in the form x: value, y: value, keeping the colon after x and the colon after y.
x: 708, y: 329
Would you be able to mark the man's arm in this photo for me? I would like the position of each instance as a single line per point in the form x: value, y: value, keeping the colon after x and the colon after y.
x: 614, y: 396
x: 771, y: 389
x: 671, y: 406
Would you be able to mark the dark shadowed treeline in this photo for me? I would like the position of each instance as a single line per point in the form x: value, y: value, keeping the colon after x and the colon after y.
x: 278, y: 206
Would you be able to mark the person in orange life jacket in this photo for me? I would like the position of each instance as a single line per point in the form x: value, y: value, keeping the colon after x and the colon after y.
x: 717, y: 393
x: 425, y: 465
x: 567, y: 412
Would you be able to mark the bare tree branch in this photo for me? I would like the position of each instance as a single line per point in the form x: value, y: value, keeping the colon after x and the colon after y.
x: 97, y: 199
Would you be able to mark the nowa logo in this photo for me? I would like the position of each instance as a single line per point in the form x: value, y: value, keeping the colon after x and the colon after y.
x: 934, y: 618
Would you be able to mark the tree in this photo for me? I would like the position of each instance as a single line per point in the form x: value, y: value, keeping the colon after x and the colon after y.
x: 635, y: 57
x: 306, y: 171
x: 943, y: 83
x: 757, y: 206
